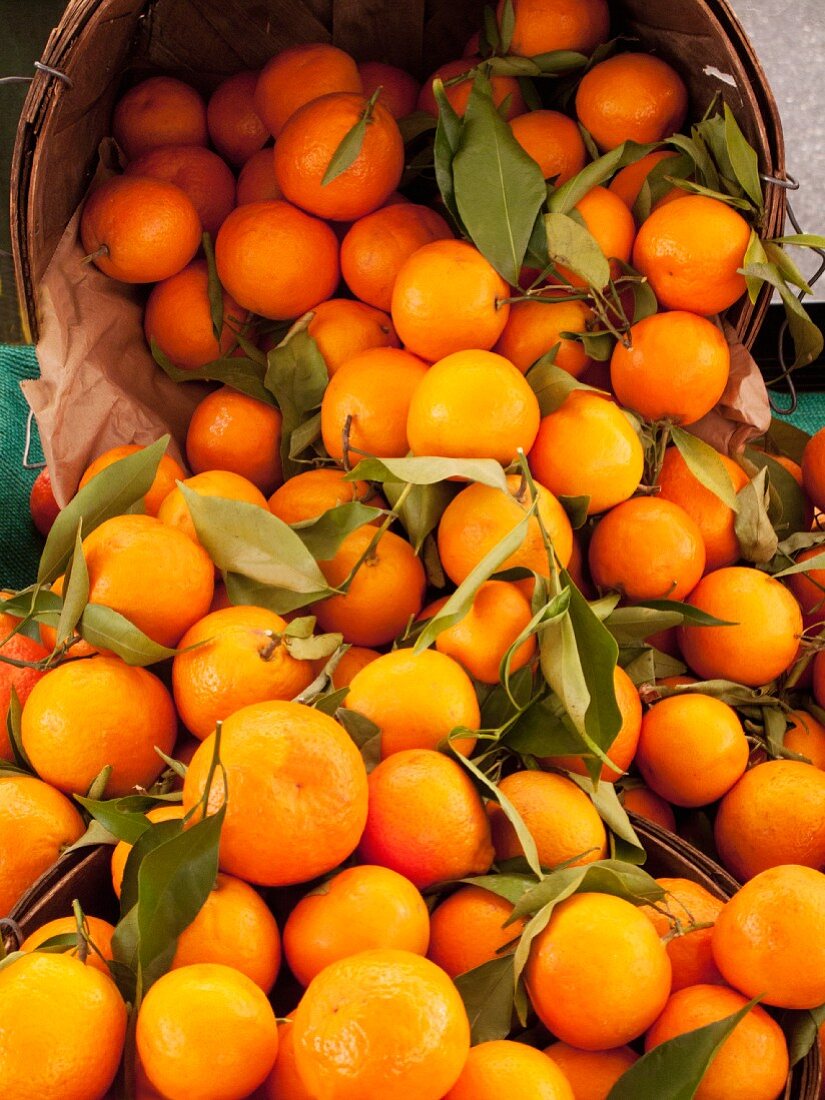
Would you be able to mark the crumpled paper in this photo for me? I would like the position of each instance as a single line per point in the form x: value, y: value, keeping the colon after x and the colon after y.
x: 99, y: 386
x: 744, y: 411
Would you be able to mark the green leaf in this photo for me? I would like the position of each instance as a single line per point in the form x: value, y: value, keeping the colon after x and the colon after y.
x: 525, y: 837
x: 104, y: 628
x: 324, y: 535
x: 487, y: 993
x: 816, y: 562
x: 606, y: 876
x: 791, y: 496
x: 499, y: 188
x: 775, y: 254
x: 801, y: 1030
x: 509, y: 886
x: 95, y: 834
x: 422, y: 509
x: 572, y: 246
x: 743, y: 159
x: 506, y: 25
x: 304, y: 436
x: 556, y: 887
x: 34, y: 604
x: 242, y: 590
x: 757, y: 539
x: 109, y: 493
x: 244, y: 375
x: 349, y: 147
x: 629, y: 850
x: 545, y: 730
x: 693, y: 188
x: 447, y: 140
x: 14, y: 729
x: 460, y: 602
x: 788, y: 439
x: 696, y: 149
x: 754, y: 254
x: 125, y: 818
x: 428, y: 471
x: 415, y: 124
x: 297, y: 376
x: 559, y: 62
x: 215, y: 290
x: 552, y: 385
x: 801, y: 240
x: 577, y: 509
x: 706, y: 466
x: 243, y: 538
x: 807, y: 337
x: 364, y: 732
x: 316, y: 647
x: 674, y: 1069
x: 595, y: 174
x: 75, y: 592
x: 174, y: 881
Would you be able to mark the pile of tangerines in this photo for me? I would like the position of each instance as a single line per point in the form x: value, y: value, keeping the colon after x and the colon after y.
x: 448, y: 591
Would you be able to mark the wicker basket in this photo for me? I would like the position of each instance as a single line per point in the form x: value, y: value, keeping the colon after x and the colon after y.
x: 85, y: 875
x: 99, y: 43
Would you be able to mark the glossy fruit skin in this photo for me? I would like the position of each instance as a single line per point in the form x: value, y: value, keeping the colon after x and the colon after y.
x: 296, y: 76
x: 159, y: 111
x: 361, y: 909
x: 426, y: 819
x: 235, y: 128
x: 176, y: 1028
x: 764, y: 638
x: 492, y: 1067
x: 806, y: 736
x: 299, y: 800
x: 343, y: 328
x: 691, y: 954
x: 36, y: 823
x: 417, y: 700
x: 553, y: 140
x: 246, y: 247
x: 813, y: 468
x: 789, y: 792
x: 199, y: 173
x: 149, y: 229
x: 767, y: 941
x: 598, y: 975
x: 631, y: 97
x: 646, y: 803
x: 69, y: 1027
x: 84, y: 715
x: 468, y: 929
x: 19, y: 647
x: 712, y: 749
x: 377, y: 1019
x: 232, y: 431
x: 533, y: 328
x: 752, y: 1063
x: 256, y: 180
x: 399, y: 90
x: 308, y: 495
x: 592, y: 1073
x: 541, y: 26
x: 42, y: 505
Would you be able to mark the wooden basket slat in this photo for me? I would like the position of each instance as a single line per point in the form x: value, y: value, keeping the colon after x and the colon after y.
x: 371, y: 32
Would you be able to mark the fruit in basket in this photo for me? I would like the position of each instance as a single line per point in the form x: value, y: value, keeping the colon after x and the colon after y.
x: 343, y: 329
x: 640, y: 800
x: 751, y: 1063
x: 198, y: 172
x: 351, y: 662
x: 233, y: 432
x: 298, y: 793
x: 809, y: 588
x: 457, y: 79
x: 762, y: 636
x: 610, y: 224
x: 553, y: 141
x: 646, y: 549
x: 813, y: 468
x: 426, y: 820
x: 692, y: 749
x: 673, y: 366
x: 805, y: 735
x: 468, y: 929
x: 416, y: 699
x: 535, y: 327
x: 631, y: 97
x: 492, y: 1068
x: 361, y: 909
x: 159, y: 111
x: 169, y: 471
x: 592, y: 1073
x: 691, y: 252
x: 473, y: 404
x: 480, y: 639
x: 579, y: 966
x: 775, y: 814
x: 276, y: 260
x: 43, y: 507
x: 685, y: 905
x: 542, y: 26
x: 36, y: 823
x: 559, y: 816
x: 366, y: 404
x: 298, y: 75
x: 284, y: 1082
x: 256, y: 180
x: 587, y: 447
x: 377, y: 1017
x: 17, y: 647
x: 179, y: 321
x: 206, y: 1031
x: 447, y: 297
x: 235, y: 127
x: 768, y: 939
x: 713, y: 517
x: 376, y: 246
x: 100, y: 934
x: 399, y: 90
x: 232, y: 658
x: 88, y: 714
x: 629, y: 181
x: 305, y: 155
x: 69, y: 1025
x: 309, y: 494
x: 384, y: 595
x: 139, y: 230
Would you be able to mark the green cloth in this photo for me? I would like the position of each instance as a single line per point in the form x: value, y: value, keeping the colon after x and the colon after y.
x: 20, y: 544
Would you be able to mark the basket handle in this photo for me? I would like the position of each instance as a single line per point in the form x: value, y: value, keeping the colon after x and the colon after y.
x: 42, y: 68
